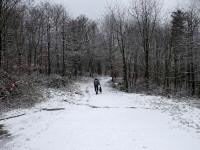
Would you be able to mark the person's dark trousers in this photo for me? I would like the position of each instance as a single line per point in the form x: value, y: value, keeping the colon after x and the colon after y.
x: 96, y: 89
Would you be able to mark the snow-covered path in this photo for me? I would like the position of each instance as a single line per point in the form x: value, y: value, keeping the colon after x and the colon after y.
x: 110, y: 121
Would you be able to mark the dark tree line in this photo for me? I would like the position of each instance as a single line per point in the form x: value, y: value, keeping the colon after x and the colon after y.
x: 43, y: 38
x: 154, y: 53
x: 133, y: 43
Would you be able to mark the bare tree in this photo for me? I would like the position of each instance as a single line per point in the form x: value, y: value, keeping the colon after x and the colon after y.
x: 6, y: 10
x: 120, y: 28
x: 64, y: 21
x: 193, y: 21
x: 109, y: 40
x: 146, y: 13
x: 48, y: 19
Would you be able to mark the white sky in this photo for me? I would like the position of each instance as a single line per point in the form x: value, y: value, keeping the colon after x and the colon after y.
x: 95, y: 9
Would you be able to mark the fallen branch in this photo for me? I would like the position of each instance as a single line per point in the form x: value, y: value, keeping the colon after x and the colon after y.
x: 88, y: 105
x: 138, y: 108
x: 99, y: 107
x: 53, y: 109
x: 12, y: 117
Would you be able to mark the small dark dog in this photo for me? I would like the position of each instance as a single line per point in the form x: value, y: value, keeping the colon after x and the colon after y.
x: 100, y: 89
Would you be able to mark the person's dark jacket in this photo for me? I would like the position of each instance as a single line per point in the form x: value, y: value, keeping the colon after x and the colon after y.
x: 96, y: 82
x: 96, y: 85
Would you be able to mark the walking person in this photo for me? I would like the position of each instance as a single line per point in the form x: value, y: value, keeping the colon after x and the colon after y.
x: 97, y: 85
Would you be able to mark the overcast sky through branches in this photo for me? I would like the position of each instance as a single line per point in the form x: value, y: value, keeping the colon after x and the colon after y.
x: 95, y: 9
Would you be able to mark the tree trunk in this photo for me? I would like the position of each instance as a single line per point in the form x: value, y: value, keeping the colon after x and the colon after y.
x: 63, y: 55
x: 175, y: 73
x: 57, y: 64
x: 1, y: 24
x: 146, y: 57
x: 19, y: 58
x: 4, y: 48
x: 0, y: 49
x: 157, y: 74
x: 111, y: 64
x: 35, y: 57
x: 136, y: 67
x: 30, y: 55
x: 193, y: 79
x: 147, y: 68
x: 167, y: 68
x: 56, y: 50
x: 41, y: 56
x: 125, y: 73
x: 48, y: 49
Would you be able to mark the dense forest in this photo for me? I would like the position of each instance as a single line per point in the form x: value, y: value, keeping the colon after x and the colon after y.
x: 147, y: 50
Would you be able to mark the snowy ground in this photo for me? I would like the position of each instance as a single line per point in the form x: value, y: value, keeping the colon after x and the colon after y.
x: 110, y: 121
